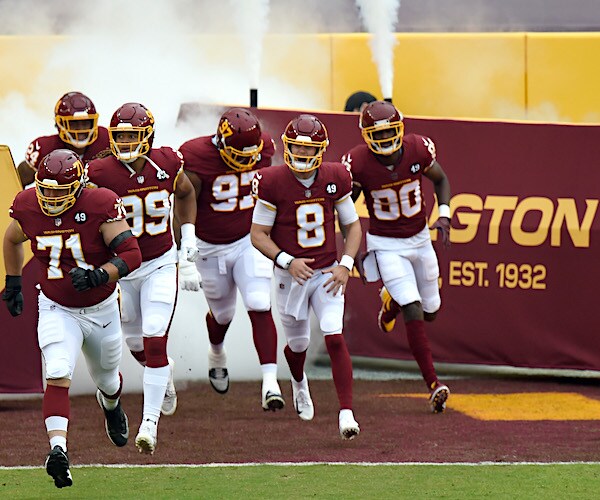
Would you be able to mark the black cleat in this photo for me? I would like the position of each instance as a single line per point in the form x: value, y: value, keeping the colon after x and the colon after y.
x: 115, y: 423
x: 57, y: 466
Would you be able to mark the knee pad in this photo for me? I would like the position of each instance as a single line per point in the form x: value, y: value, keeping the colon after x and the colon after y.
x: 299, y: 344
x: 108, y: 382
x: 58, y: 367
x: 155, y: 325
x: 223, y: 317
x: 133, y: 339
x: 331, y: 324
x: 258, y: 301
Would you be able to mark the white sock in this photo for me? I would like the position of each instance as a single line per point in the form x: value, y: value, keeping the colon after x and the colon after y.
x: 60, y: 441
x: 155, y: 385
x: 217, y: 348
x: 109, y: 404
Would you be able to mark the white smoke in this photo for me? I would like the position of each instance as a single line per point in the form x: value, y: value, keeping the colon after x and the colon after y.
x: 380, y: 18
x: 251, y: 19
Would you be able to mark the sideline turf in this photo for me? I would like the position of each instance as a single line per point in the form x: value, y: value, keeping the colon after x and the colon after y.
x: 313, y: 481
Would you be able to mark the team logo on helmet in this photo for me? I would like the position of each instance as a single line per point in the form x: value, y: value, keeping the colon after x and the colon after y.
x: 239, y: 139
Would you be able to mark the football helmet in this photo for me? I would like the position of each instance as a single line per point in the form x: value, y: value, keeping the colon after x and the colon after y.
x: 131, y: 117
x: 239, y: 139
x: 379, y: 116
x: 71, y: 110
x: 59, y: 181
x: 304, y: 130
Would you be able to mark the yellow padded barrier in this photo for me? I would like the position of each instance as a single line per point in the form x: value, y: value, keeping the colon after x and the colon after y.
x: 563, y: 77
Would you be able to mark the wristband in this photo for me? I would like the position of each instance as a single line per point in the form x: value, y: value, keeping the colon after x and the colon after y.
x: 444, y: 211
x: 283, y: 260
x: 347, y: 262
x: 188, y: 231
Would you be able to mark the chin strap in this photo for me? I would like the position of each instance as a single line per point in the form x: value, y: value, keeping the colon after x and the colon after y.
x: 160, y: 173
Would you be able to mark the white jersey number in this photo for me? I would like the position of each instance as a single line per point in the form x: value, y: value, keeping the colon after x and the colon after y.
x: 155, y: 205
x: 227, y: 188
x: 310, y: 219
x: 390, y: 205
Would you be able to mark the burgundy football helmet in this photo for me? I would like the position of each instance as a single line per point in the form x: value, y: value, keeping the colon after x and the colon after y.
x: 304, y: 130
x: 76, y: 119
x: 59, y: 181
x: 379, y: 116
x: 136, y: 118
x: 239, y: 139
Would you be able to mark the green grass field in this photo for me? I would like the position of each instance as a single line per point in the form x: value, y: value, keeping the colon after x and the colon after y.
x: 528, y: 481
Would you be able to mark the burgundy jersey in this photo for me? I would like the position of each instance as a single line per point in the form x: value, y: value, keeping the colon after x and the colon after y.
x: 225, y: 202
x: 394, y: 198
x: 44, y: 145
x: 305, y: 221
x: 71, y: 239
x: 146, y: 196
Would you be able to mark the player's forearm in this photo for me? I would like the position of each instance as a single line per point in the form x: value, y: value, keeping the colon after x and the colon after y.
x: 184, y: 209
x: 262, y: 241
x: 13, y: 257
x: 353, y: 238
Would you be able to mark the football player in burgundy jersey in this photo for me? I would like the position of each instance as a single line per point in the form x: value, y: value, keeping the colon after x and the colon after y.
x: 76, y: 120
x: 294, y: 225
x: 388, y: 170
x: 145, y: 178
x: 221, y: 168
x: 83, y: 245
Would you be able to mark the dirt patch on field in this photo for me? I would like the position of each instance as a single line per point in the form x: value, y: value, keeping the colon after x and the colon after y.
x: 208, y: 427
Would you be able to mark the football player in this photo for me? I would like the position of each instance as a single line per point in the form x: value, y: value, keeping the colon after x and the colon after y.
x: 83, y: 245
x: 145, y: 178
x: 221, y: 168
x: 294, y: 225
x: 76, y: 120
x: 388, y: 169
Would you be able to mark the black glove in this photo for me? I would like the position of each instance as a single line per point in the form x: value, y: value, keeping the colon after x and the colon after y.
x: 84, y: 279
x: 12, y: 295
x: 443, y: 226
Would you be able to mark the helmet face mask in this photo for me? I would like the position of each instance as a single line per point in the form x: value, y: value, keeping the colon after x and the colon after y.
x: 308, y: 131
x: 59, y: 181
x: 382, y: 127
x: 131, y: 132
x: 239, y: 139
x: 76, y: 120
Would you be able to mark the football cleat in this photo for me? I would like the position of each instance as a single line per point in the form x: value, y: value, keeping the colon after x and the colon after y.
x: 218, y: 375
x: 271, y: 397
x: 145, y: 441
x: 387, y: 317
x: 170, y: 400
x: 349, y: 428
x: 57, y: 466
x: 439, y: 396
x: 302, y: 400
x: 115, y: 423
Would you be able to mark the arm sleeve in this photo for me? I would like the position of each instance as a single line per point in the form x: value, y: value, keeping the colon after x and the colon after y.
x: 264, y: 214
x: 346, y: 211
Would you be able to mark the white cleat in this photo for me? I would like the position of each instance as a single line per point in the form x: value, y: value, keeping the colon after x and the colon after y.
x: 170, y: 400
x: 218, y: 376
x: 302, y: 400
x: 145, y: 440
x: 271, y: 397
x: 348, y: 426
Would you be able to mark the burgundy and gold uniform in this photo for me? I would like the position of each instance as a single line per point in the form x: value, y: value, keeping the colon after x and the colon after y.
x: 71, y: 239
x: 394, y: 197
x: 41, y: 146
x: 145, y: 195
x: 224, y: 202
x: 305, y: 221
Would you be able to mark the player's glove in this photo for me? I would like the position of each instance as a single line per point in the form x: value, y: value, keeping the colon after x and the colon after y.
x: 189, y: 278
x: 443, y: 226
x: 12, y: 295
x: 188, y: 242
x: 84, y: 279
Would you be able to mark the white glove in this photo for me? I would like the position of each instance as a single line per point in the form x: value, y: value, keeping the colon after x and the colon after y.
x: 188, y: 242
x: 189, y: 277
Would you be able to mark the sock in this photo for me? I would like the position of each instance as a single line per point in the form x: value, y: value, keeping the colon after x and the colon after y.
x: 341, y: 368
x: 264, y: 335
x: 419, y: 346
x: 56, y: 402
x: 155, y: 385
x: 110, y: 401
x: 140, y: 357
x: 216, y: 332
x: 156, y: 352
x: 295, y: 362
x: 60, y: 441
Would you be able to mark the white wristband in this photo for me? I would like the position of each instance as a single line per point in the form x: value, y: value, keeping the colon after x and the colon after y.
x: 188, y: 231
x: 444, y: 211
x: 347, y: 262
x: 283, y: 260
